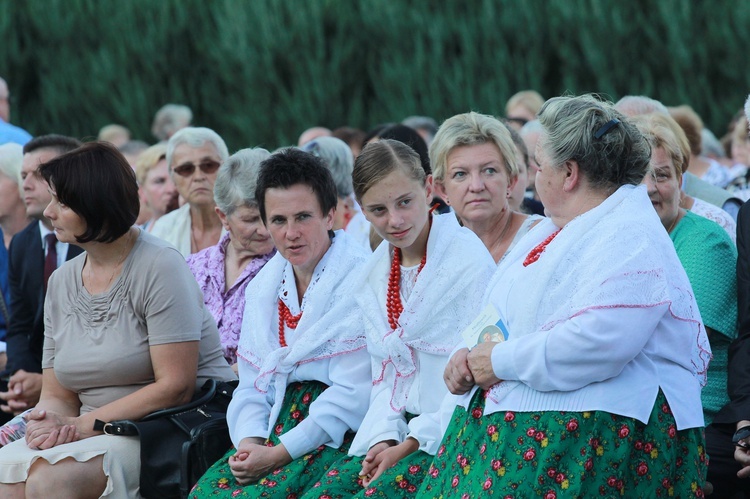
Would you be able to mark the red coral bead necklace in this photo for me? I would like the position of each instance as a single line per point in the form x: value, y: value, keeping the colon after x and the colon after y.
x: 535, y: 253
x: 286, y: 317
x: 393, y: 304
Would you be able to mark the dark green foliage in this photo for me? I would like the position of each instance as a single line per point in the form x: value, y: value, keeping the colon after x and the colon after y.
x: 260, y: 72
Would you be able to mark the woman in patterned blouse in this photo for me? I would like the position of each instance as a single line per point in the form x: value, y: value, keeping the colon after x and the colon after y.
x: 224, y: 271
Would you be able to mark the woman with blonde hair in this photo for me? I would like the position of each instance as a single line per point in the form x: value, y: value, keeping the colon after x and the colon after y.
x: 597, y: 388
x: 475, y: 166
x: 156, y: 190
x: 417, y: 293
x: 706, y: 252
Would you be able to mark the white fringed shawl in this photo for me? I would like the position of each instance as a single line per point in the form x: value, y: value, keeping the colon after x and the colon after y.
x: 444, y: 300
x: 616, y: 255
x: 330, y: 325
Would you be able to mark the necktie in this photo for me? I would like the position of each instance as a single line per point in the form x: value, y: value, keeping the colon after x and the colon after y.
x: 50, y: 261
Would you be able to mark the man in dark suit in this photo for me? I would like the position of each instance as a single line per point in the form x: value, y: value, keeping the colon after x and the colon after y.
x: 33, y: 254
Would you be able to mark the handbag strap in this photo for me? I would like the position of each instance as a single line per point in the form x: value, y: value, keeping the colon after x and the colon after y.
x: 208, y: 392
x: 126, y: 427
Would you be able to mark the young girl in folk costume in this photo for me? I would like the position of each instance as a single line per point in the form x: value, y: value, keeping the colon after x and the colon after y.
x: 304, y: 370
x: 418, y: 291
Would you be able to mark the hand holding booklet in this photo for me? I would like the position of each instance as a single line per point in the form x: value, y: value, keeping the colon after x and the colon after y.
x: 487, y: 327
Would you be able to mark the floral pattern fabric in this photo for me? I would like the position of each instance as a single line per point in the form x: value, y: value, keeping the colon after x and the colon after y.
x: 286, y: 482
x: 566, y: 454
x: 226, y: 307
x: 342, y: 480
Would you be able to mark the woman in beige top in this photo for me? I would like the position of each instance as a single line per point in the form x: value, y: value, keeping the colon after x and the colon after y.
x: 116, y: 318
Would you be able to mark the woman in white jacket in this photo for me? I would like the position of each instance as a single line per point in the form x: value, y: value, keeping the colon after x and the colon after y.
x: 596, y: 391
x: 417, y: 293
x: 304, y: 371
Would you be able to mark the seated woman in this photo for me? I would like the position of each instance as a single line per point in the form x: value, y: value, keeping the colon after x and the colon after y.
x: 157, y: 191
x: 596, y: 391
x: 304, y: 370
x: 706, y: 252
x: 224, y: 271
x: 418, y: 292
x: 476, y: 167
x: 709, y: 257
x: 194, y: 155
x: 338, y: 158
x: 116, y: 318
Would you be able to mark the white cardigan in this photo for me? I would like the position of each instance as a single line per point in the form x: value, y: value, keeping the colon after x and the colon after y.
x: 328, y: 345
x: 445, y: 299
x: 603, y: 320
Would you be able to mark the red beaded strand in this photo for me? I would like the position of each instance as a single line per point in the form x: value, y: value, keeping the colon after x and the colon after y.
x: 535, y: 253
x: 286, y: 317
x: 393, y: 299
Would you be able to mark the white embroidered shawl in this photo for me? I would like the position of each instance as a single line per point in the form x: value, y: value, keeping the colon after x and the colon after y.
x: 617, y: 255
x: 445, y: 299
x: 330, y: 325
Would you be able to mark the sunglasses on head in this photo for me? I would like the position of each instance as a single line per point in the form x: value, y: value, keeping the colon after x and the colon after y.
x: 187, y: 169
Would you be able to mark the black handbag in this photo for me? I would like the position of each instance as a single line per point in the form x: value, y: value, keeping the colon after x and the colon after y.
x: 179, y: 444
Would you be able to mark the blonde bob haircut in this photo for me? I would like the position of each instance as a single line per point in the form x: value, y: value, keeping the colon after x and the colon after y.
x: 663, y: 131
x: 149, y: 159
x: 378, y: 159
x: 531, y: 100
x: 472, y: 129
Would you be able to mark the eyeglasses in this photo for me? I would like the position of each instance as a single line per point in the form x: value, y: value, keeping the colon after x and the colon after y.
x: 186, y: 169
x: 520, y: 121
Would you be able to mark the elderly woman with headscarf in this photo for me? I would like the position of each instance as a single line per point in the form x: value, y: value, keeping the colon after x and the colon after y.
x: 224, y: 271
x: 596, y: 389
x: 194, y: 156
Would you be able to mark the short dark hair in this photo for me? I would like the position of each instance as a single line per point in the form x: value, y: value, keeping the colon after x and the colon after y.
x: 59, y: 143
x: 97, y: 183
x: 290, y: 167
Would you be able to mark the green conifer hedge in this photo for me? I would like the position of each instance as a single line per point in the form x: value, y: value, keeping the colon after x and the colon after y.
x: 260, y: 72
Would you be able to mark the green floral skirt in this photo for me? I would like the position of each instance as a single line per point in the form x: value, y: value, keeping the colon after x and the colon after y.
x: 342, y: 479
x: 566, y: 454
x: 289, y: 481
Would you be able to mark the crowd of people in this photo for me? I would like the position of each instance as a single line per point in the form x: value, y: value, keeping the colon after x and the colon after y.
x: 551, y: 304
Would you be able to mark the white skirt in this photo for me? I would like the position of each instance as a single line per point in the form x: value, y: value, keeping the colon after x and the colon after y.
x: 121, y: 461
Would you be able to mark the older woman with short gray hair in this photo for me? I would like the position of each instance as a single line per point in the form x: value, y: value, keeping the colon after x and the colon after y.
x: 224, y: 271
x: 193, y: 158
x: 338, y: 158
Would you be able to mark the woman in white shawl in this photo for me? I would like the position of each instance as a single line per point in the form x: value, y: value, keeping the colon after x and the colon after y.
x: 596, y: 391
x: 476, y: 167
x: 417, y: 293
x: 304, y: 370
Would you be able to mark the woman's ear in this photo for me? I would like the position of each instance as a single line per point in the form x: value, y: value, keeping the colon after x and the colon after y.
x: 439, y: 189
x: 429, y: 189
x: 222, y: 217
x: 572, y: 175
